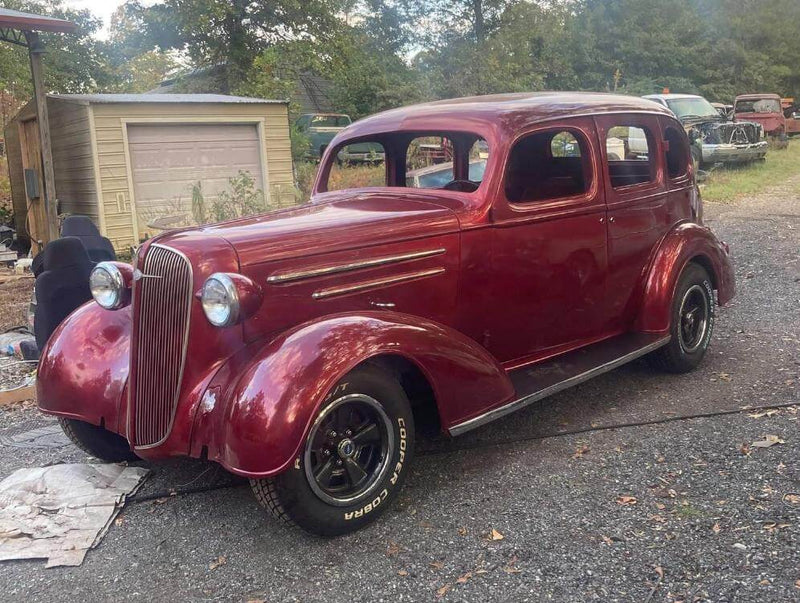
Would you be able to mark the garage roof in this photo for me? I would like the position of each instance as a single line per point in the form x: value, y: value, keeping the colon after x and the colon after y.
x: 165, y: 98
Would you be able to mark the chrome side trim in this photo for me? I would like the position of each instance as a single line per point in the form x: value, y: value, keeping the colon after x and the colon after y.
x: 391, y: 280
x: 286, y: 277
x: 515, y: 405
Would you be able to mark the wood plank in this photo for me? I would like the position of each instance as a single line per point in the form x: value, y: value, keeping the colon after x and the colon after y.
x: 18, y: 395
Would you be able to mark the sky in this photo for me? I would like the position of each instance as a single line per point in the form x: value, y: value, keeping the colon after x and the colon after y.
x: 100, y: 8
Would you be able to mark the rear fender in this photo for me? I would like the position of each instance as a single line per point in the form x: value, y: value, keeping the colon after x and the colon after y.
x: 685, y: 243
x: 256, y: 420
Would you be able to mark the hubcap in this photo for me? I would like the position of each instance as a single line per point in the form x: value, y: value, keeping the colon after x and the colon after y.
x: 348, y: 450
x: 693, y: 316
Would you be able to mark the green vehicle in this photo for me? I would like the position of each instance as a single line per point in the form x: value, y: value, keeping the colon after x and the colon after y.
x: 321, y: 128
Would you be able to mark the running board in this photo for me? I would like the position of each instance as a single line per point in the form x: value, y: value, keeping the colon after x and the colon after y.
x: 537, y: 381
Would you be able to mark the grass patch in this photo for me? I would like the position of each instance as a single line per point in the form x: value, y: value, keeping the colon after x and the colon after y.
x: 732, y: 182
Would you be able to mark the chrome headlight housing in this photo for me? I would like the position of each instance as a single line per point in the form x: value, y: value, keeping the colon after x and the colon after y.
x: 108, y: 286
x: 220, y: 300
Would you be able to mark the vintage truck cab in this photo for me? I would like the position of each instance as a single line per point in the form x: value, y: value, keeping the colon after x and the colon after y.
x: 299, y: 347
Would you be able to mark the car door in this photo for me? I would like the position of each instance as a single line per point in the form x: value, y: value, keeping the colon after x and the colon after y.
x: 638, y: 208
x: 548, y: 244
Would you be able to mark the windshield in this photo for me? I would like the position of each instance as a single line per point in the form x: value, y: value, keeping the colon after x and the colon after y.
x: 760, y: 105
x: 692, y: 107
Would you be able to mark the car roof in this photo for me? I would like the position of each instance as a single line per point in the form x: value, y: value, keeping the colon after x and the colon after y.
x: 671, y: 96
x: 485, y: 111
x: 757, y: 96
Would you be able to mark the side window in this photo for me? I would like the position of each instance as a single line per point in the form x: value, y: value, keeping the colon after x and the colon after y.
x: 478, y: 156
x: 548, y: 165
x: 429, y: 162
x: 677, y: 152
x: 358, y: 165
x: 630, y: 157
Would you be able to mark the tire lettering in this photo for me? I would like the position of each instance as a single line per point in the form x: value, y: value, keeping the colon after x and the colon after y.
x: 398, y: 468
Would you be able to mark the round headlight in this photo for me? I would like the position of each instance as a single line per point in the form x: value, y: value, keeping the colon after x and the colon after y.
x: 107, y: 285
x: 220, y: 300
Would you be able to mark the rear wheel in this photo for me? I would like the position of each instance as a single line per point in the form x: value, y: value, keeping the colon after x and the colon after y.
x: 97, y: 441
x: 692, y: 322
x: 353, y: 462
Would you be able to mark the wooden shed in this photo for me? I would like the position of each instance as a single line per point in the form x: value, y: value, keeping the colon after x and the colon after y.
x: 127, y: 159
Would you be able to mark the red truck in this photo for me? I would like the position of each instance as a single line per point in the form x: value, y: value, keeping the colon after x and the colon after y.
x: 764, y: 109
x: 299, y: 348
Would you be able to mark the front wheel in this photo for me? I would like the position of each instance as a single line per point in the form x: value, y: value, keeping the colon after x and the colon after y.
x: 692, y: 322
x: 353, y: 462
x: 97, y: 441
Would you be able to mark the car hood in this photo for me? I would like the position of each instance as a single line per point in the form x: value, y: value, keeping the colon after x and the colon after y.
x: 342, y: 221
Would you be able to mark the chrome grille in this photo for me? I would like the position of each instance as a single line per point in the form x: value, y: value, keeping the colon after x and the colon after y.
x: 163, y: 304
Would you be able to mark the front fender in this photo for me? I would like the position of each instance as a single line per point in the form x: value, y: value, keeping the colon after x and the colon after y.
x: 83, y: 369
x: 257, y: 426
x: 685, y: 243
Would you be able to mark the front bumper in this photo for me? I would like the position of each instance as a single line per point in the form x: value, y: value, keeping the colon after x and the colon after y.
x: 734, y: 153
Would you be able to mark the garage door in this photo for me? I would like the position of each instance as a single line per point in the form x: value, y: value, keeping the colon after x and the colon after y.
x: 167, y: 160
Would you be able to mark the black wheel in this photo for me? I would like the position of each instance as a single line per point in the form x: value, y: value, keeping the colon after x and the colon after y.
x: 692, y: 322
x: 353, y: 462
x: 97, y: 441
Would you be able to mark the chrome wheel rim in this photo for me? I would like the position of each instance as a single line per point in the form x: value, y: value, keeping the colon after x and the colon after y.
x: 693, y: 318
x: 348, y: 450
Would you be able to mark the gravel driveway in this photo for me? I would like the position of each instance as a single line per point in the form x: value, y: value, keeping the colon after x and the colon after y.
x: 606, y: 492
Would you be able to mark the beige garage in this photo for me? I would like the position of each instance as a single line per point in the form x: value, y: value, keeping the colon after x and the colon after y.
x: 168, y: 160
x: 130, y: 161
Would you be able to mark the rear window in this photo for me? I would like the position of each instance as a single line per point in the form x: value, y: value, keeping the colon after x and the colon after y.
x: 761, y: 105
x: 329, y: 121
x: 629, y: 154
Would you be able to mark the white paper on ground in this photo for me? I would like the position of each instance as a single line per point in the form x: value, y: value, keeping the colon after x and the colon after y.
x: 58, y: 513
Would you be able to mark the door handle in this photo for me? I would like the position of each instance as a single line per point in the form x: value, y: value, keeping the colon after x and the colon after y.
x: 611, y: 219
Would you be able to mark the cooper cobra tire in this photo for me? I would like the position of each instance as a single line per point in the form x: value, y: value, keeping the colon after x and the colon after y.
x: 692, y: 322
x: 98, y: 442
x: 366, y: 419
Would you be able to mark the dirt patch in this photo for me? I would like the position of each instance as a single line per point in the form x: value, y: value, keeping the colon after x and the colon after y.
x: 15, y: 297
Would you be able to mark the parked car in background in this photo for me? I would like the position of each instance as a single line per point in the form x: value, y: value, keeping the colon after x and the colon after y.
x: 438, y: 175
x: 724, y: 110
x: 321, y: 128
x: 764, y: 109
x: 713, y: 138
x: 792, y: 116
x: 301, y: 347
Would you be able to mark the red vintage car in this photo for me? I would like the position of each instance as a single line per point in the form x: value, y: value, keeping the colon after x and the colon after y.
x: 300, y: 348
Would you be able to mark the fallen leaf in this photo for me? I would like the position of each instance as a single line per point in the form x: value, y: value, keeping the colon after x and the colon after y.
x: 716, y: 529
x: 425, y: 524
x: 657, y: 518
x: 437, y: 565
x: 161, y: 501
x: 764, y: 582
x: 442, y: 591
x: 792, y: 499
x: 119, y: 521
x: 462, y: 531
x: 607, y: 540
x: 660, y: 506
x: 495, y: 535
x: 626, y: 501
x: 660, y: 571
x: 402, y: 573
x: 769, y: 440
x: 797, y: 583
x: 464, y: 578
x: 580, y: 452
x: 509, y: 567
x: 765, y: 413
x: 772, y: 526
x: 745, y: 449
x: 221, y: 560
x: 725, y: 376
x: 392, y: 549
